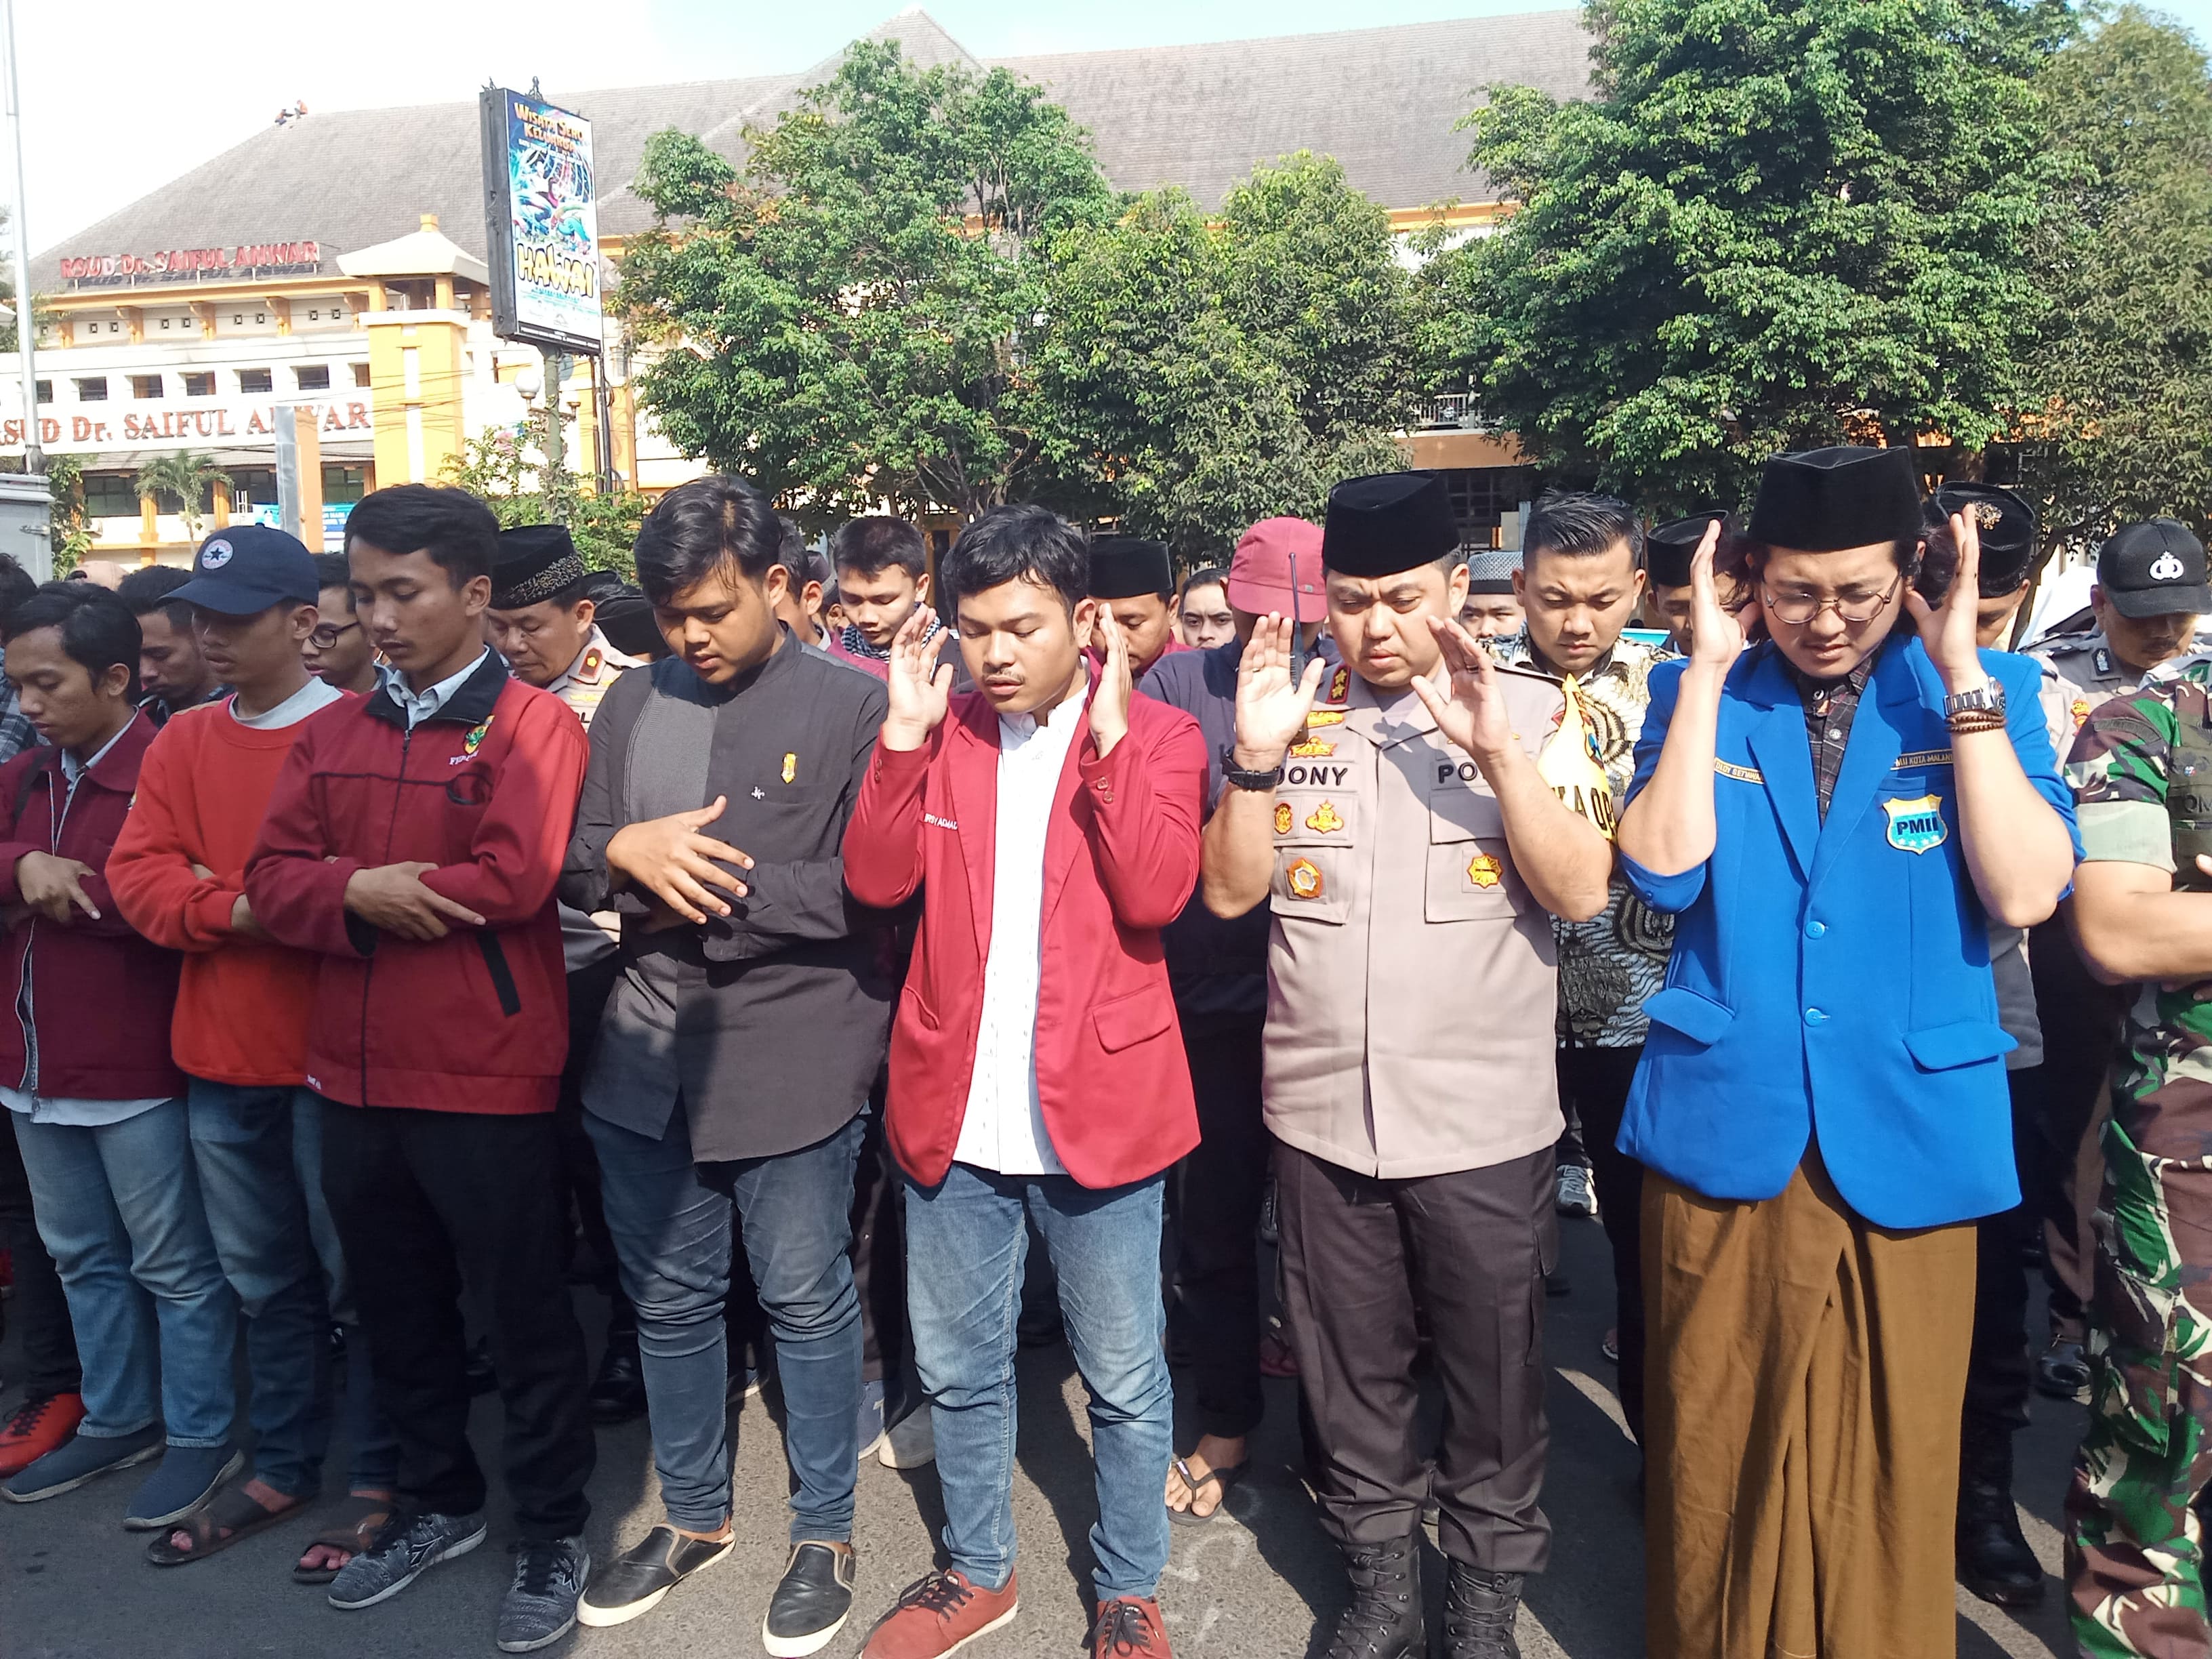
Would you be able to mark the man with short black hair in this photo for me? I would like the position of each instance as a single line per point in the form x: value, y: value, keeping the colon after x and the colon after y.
x: 807, y: 574
x: 1667, y: 553
x: 171, y: 673
x: 1490, y: 610
x: 881, y: 568
x: 1133, y: 579
x: 413, y: 842
x: 338, y: 652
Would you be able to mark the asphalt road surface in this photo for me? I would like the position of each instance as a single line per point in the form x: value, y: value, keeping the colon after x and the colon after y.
x: 1262, y: 1585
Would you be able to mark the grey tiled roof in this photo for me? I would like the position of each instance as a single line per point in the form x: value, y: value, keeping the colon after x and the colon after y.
x: 1382, y: 101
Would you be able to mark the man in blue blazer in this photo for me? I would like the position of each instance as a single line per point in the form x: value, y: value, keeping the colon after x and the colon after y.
x: 1836, y: 815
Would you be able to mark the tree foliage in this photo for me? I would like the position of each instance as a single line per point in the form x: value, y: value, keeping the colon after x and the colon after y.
x: 1777, y: 222
x: 513, y: 479
x: 185, y: 477
x: 2120, y: 426
x: 846, y: 318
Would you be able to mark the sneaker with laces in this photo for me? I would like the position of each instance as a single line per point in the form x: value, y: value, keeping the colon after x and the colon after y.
x: 811, y: 1600
x: 910, y: 1442
x: 80, y: 1458
x: 41, y: 1423
x: 938, y: 1614
x: 1574, y: 1195
x: 540, y: 1608
x: 403, y: 1549
x: 1129, y: 1627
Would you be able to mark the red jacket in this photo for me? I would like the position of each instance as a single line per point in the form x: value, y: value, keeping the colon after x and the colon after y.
x: 101, y: 994
x: 484, y: 789
x: 1120, y: 858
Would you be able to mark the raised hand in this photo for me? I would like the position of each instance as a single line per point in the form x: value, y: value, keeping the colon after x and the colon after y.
x: 1270, y: 706
x: 1473, y: 717
x: 1717, y: 633
x: 677, y: 861
x: 921, y: 686
x: 1110, y: 703
x: 1950, y: 631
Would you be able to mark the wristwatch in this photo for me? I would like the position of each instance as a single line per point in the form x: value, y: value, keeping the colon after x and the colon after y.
x: 1237, y: 778
x: 1988, y: 695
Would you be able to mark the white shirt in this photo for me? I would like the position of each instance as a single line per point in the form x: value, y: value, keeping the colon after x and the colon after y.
x: 419, y: 705
x: 315, y: 694
x: 1004, y: 1128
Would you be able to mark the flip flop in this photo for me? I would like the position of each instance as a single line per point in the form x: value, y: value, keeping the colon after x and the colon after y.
x: 231, y: 1516
x: 1225, y: 1480
x: 352, y: 1526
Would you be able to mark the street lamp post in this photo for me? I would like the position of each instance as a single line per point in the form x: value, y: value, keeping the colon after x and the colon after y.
x: 34, y: 460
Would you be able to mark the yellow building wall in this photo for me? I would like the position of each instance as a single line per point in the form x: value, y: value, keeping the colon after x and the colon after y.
x: 415, y: 368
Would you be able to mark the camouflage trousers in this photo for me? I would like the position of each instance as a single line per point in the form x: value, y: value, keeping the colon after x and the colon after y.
x: 2135, y: 1550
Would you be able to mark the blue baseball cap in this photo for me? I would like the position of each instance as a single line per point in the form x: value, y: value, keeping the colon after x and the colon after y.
x: 245, y: 568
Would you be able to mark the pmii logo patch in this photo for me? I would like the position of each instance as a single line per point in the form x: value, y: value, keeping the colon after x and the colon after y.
x: 215, y: 555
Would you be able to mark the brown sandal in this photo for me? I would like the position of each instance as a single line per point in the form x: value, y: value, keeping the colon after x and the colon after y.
x: 353, y: 1527
x: 231, y: 1516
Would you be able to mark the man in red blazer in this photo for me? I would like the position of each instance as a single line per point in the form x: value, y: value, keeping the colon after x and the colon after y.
x: 1050, y: 822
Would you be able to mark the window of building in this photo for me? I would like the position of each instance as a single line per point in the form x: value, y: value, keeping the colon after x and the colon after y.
x: 110, y: 495
x: 252, y: 486
x: 92, y: 389
x: 42, y: 391
x: 200, y: 385
x: 147, y: 386
x: 256, y: 380
x: 343, y: 484
x: 360, y: 374
x: 313, y: 377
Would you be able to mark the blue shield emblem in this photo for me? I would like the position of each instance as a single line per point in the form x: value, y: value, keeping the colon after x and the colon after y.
x: 1917, y: 825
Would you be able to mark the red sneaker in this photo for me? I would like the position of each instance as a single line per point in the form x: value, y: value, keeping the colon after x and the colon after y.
x: 1129, y: 1628
x: 40, y: 1425
x: 940, y: 1614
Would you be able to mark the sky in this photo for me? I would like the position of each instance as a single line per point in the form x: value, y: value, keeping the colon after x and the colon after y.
x: 115, y: 105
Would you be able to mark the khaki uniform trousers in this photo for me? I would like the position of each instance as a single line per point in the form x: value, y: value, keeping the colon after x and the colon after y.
x: 1804, y: 1384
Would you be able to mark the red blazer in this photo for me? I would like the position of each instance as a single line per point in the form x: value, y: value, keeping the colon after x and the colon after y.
x: 1121, y: 859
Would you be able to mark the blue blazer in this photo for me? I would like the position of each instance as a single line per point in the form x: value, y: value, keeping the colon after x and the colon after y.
x: 1833, y: 978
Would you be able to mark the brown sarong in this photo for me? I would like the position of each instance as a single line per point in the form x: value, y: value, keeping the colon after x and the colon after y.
x: 1803, y: 1382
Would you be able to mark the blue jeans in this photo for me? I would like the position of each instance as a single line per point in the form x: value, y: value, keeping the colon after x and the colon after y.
x: 671, y: 1222
x: 260, y: 1158
x: 157, y: 1325
x: 966, y: 1248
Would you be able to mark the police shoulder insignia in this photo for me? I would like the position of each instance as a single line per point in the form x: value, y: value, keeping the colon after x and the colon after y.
x: 591, y: 661
x: 1917, y: 825
x: 2080, y: 710
x: 1324, y: 717
x: 1340, y: 684
x: 1284, y: 818
x: 1485, y: 870
x: 790, y: 767
x: 474, y: 741
x: 1312, y: 748
x: 1325, y: 819
x: 1305, y: 878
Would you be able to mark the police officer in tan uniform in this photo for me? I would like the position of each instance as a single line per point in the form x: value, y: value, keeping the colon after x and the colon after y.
x: 1413, y: 856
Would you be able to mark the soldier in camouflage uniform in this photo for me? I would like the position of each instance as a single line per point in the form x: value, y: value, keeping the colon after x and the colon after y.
x: 2134, y: 1552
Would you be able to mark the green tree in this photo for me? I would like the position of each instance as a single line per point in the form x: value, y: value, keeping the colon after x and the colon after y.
x: 1777, y: 222
x: 2121, y: 425
x: 520, y: 487
x: 186, y: 478
x: 71, y: 532
x: 1201, y: 373
x: 847, y: 318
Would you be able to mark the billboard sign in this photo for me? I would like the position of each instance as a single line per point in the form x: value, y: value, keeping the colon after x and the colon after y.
x: 541, y: 222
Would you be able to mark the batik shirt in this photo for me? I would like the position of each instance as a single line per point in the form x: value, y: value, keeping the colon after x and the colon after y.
x: 1610, y: 964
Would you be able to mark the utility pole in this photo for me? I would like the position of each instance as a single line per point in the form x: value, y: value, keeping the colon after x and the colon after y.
x: 34, y: 460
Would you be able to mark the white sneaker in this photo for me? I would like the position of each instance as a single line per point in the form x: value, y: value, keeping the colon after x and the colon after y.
x: 1575, y: 1195
x: 910, y: 1442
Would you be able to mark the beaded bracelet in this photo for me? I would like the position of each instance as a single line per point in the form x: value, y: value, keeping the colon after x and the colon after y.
x: 1975, y: 720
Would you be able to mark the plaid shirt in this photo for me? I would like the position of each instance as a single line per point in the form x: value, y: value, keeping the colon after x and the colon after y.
x: 16, y: 734
x: 1830, y: 707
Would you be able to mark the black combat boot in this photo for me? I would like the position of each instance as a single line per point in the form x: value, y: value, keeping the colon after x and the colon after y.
x: 1994, y: 1561
x: 1384, y: 1618
x: 1479, y: 1611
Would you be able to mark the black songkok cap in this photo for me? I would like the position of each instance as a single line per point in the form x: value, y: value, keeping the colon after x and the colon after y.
x: 1818, y: 500
x: 1387, y: 522
x: 625, y: 617
x: 1128, y: 567
x: 536, y: 562
x: 2005, y: 522
x: 1667, y: 548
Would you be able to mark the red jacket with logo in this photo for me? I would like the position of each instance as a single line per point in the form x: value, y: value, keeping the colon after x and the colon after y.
x: 485, y: 789
x: 1120, y: 858
x: 100, y: 993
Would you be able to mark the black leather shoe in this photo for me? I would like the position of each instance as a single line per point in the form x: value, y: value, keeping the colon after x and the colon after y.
x: 1479, y: 1608
x: 634, y: 1581
x: 811, y: 1601
x: 619, y: 1391
x: 1384, y: 1619
x: 1994, y: 1560
x: 2062, y: 1370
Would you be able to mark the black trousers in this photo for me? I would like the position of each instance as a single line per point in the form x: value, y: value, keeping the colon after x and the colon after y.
x: 2081, y: 1024
x: 1999, y: 1366
x: 880, y: 1252
x: 1594, y: 1086
x: 1219, y: 1190
x: 39, y: 1310
x: 1470, y: 1248
x: 588, y: 990
x: 424, y: 1202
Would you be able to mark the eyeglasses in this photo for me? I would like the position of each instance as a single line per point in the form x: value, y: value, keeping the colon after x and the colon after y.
x: 1798, y: 609
x: 327, y: 636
